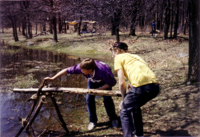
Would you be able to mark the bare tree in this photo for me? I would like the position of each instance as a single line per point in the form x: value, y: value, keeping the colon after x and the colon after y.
x: 193, y: 71
x: 10, y: 10
x: 176, y: 19
x: 167, y: 18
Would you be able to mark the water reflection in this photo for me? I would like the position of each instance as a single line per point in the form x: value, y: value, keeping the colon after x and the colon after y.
x: 16, y: 61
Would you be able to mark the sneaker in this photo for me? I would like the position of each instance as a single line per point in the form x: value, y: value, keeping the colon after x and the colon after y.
x: 115, y: 123
x: 91, y: 126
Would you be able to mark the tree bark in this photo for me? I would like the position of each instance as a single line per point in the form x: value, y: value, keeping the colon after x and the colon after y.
x: 70, y: 90
x: 29, y: 28
x: 133, y: 20
x: 14, y: 26
x: 112, y: 26
x: 79, y: 26
x: 54, y: 28
x: 176, y: 19
x: 117, y: 16
x: 167, y: 18
x: 36, y: 28
x: 186, y: 20
x: 65, y: 27
x: 193, y: 71
x: 24, y: 26
x: 172, y: 17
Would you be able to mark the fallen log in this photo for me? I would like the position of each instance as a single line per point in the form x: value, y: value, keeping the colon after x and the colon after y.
x: 70, y: 90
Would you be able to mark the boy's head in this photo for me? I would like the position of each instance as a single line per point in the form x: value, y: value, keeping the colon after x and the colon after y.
x: 118, y: 48
x: 88, y: 64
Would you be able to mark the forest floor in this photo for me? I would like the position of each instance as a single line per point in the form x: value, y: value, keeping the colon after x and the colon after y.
x: 174, y: 112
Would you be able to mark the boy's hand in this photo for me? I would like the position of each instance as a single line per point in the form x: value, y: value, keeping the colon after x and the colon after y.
x: 48, y: 79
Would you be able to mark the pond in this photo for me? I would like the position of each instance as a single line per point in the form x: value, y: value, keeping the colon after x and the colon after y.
x: 25, y: 68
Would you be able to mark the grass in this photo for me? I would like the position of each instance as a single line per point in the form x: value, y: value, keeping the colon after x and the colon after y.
x: 173, y: 113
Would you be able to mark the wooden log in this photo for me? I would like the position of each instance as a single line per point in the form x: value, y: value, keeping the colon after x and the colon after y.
x: 63, y: 124
x: 40, y: 103
x: 71, y: 90
x: 33, y: 107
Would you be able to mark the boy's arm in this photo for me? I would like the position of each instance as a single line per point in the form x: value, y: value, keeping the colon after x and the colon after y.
x: 103, y: 87
x: 59, y: 74
x: 70, y: 70
x: 122, y: 83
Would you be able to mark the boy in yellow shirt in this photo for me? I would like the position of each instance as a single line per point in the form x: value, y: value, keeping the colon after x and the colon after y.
x: 144, y: 87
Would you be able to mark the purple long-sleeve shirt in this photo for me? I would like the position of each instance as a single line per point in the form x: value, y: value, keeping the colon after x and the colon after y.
x: 102, y: 73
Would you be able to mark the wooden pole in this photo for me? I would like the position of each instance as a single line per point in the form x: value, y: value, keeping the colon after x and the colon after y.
x: 63, y: 124
x: 40, y: 103
x: 33, y: 107
x: 71, y: 90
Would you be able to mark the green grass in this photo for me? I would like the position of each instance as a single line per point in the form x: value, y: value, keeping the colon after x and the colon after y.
x: 25, y: 81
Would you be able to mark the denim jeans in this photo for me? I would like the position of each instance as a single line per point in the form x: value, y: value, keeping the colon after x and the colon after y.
x: 107, y: 100
x: 130, y: 115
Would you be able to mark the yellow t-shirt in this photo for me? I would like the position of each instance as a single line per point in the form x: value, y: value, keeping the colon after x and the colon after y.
x: 135, y: 69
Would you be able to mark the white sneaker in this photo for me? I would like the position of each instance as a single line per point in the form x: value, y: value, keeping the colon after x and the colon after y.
x: 115, y: 123
x: 91, y: 126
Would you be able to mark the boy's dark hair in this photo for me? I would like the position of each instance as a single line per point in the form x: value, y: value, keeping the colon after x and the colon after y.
x: 121, y: 45
x: 88, y: 63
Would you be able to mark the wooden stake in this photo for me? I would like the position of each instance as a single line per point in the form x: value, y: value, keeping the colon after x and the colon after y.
x: 63, y: 124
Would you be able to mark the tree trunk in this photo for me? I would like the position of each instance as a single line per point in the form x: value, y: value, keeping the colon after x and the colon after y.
x: 193, y: 71
x: 24, y: 26
x: 186, y: 21
x: 183, y: 17
x: 65, y: 27
x: 185, y: 24
x: 70, y: 90
x: 117, y: 16
x: 29, y: 28
x: 167, y: 18
x: 133, y: 19
x: 36, y: 28
x: 15, y: 31
x: 113, y: 26
x: 79, y: 26
x: 132, y: 30
x: 172, y: 21
x: 176, y: 19
x: 54, y: 28
x: 60, y: 24
x: 158, y: 23
x: 14, y: 26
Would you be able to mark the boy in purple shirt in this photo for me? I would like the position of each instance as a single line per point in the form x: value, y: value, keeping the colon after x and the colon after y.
x: 100, y: 77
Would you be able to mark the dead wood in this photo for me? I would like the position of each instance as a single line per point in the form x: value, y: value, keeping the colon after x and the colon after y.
x: 62, y: 122
x: 71, y: 90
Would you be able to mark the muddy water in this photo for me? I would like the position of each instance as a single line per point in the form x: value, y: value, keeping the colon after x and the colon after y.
x: 19, y: 62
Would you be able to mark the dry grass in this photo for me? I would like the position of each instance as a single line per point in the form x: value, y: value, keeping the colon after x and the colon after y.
x: 173, y: 113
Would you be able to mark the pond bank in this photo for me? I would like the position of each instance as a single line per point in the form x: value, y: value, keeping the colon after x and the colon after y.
x: 172, y: 113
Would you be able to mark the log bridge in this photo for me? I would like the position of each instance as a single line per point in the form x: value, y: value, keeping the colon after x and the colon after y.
x: 42, y: 93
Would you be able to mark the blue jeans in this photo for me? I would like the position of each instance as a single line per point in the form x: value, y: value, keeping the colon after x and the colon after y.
x: 130, y: 115
x: 107, y: 100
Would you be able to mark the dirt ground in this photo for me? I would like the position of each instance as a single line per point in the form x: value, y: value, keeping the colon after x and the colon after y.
x: 174, y: 112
